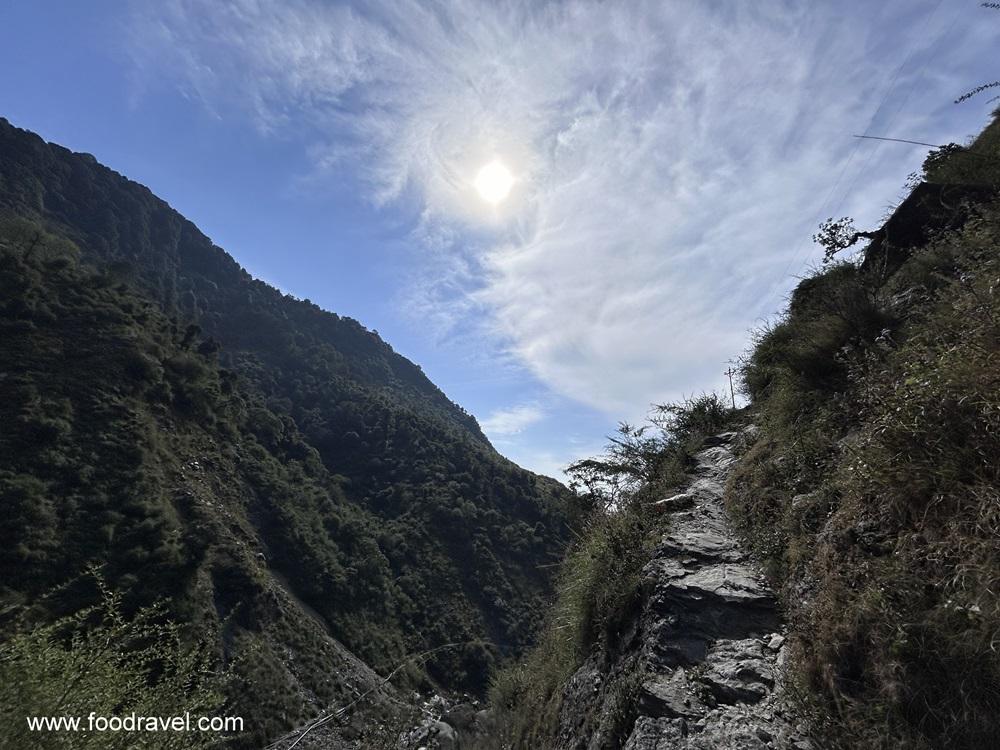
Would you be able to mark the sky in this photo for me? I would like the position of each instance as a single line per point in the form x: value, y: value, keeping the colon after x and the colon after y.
x: 670, y: 162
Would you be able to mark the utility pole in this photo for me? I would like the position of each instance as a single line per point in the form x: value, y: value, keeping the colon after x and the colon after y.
x: 732, y: 394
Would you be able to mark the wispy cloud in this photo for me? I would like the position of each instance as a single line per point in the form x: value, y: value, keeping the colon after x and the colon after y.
x: 512, y: 420
x: 671, y: 157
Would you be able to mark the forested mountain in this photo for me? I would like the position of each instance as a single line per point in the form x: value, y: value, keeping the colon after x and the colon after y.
x: 275, y: 472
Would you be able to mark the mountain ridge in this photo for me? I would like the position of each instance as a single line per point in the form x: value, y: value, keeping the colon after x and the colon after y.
x: 218, y: 264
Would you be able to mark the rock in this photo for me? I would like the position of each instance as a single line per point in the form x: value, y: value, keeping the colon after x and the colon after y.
x: 776, y: 642
x: 849, y: 440
x: 445, y: 734
x: 763, y: 734
x: 680, y: 650
x: 730, y: 599
x: 802, y: 502
x: 723, y: 438
x: 738, y: 672
x: 707, y: 544
x: 655, y: 734
x: 705, y: 490
x: 676, y: 502
x: 670, y: 697
x: 461, y: 717
x: 437, y: 702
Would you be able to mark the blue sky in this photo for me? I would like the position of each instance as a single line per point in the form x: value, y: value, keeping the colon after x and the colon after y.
x: 671, y: 162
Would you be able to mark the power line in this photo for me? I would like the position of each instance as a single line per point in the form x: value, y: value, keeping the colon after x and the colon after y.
x: 898, y: 140
x: 384, y: 681
x: 932, y: 145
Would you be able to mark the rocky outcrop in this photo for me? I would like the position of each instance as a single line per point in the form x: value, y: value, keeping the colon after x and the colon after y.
x: 929, y: 209
x: 711, y: 661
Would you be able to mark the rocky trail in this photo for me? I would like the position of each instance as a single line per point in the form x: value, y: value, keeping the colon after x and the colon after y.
x: 711, y: 651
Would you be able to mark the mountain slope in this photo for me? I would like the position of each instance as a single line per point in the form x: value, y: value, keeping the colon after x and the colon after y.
x: 277, y: 472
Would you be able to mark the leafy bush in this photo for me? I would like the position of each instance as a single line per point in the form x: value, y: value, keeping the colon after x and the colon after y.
x: 598, y: 585
x: 685, y: 425
x: 97, y: 661
x: 639, y: 460
x: 977, y: 163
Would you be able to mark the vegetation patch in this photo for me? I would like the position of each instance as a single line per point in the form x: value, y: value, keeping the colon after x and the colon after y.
x: 98, y: 664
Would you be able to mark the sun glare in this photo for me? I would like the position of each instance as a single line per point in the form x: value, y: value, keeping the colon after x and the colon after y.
x: 494, y: 182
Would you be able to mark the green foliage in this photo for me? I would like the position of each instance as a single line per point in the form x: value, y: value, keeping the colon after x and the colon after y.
x: 985, y: 86
x: 638, y: 460
x: 629, y: 461
x: 873, y: 491
x: 975, y: 164
x: 598, y: 585
x: 685, y: 425
x: 98, y: 661
x: 835, y: 235
x: 976, y: 91
x: 829, y: 314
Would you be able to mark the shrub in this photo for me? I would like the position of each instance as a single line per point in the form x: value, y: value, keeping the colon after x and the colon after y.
x: 98, y: 661
x: 598, y: 588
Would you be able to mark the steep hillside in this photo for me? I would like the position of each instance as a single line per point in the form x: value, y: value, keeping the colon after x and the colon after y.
x: 873, y: 491
x: 284, y: 479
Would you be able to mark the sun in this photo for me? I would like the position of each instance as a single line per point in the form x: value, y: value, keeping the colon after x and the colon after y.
x: 494, y: 182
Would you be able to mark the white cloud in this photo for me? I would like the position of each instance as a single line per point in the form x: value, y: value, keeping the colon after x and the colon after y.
x: 511, y: 420
x: 671, y: 157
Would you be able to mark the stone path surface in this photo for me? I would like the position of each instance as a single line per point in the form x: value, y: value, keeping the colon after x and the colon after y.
x: 713, y: 650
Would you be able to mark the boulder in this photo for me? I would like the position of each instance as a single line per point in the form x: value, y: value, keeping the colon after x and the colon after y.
x: 445, y: 735
x: 670, y: 696
x: 681, y: 501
